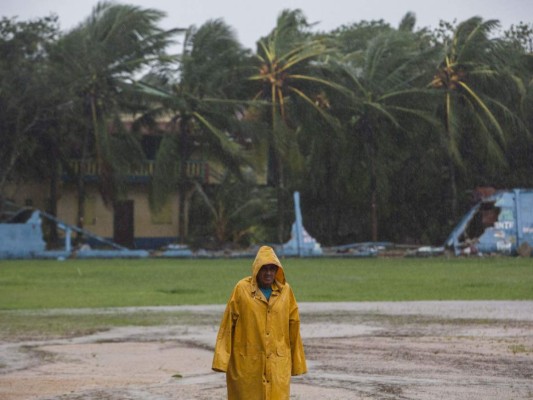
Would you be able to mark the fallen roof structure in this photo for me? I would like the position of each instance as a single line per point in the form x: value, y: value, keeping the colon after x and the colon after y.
x: 501, y: 223
x: 21, y: 236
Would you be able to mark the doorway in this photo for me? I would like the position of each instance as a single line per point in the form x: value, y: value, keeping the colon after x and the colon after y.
x: 123, y: 224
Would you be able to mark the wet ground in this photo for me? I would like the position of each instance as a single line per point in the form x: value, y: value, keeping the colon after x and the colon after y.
x: 400, y: 350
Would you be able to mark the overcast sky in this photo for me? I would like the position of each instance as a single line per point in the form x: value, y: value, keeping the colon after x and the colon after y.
x: 253, y: 19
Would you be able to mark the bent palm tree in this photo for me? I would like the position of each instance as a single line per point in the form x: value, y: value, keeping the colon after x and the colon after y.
x: 287, y: 75
x: 202, y: 109
x: 473, y: 80
x: 97, y: 61
x: 381, y: 94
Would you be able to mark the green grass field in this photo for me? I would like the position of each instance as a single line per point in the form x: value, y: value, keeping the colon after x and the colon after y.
x: 44, y: 284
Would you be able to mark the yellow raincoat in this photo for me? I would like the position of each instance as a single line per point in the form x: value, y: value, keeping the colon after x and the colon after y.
x: 258, y: 343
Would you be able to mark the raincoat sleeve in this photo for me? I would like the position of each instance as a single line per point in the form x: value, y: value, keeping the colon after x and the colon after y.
x: 224, y: 343
x: 299, y: 365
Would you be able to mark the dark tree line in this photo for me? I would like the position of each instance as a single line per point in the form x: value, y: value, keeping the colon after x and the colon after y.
x: 384, y: 130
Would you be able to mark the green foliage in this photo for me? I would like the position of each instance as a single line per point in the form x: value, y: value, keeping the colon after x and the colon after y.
x: 381, y: 103
x: 27, y: 98
x: 521, y: 34
x: 213, y: 61
x: 97, y: 62
x: 288, y: 80
x: 235, y: 212
x: 200, y: 97
x: 475, y: 115
x: 355, y: 37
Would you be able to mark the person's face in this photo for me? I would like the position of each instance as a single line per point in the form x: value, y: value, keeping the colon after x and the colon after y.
x: 267, y: 275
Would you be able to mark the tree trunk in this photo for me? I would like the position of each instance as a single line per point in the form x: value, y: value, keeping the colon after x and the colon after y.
x: 453, y: 190
x: 281, y: 200
x: 52, y: 206
x: 182, y: 185
x: 6, y: 172
x: 181, y: 212
x: 187, y: 209
x: 331, y: 198
x: 371, y: 150
x: 373, y: 200
x: 81, y: 182
x: 451, y: 165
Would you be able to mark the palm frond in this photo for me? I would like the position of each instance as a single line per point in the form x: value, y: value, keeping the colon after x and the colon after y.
x: 486, y: 111
x: 474, y: 33
x: 383, y: 112
x: 325, y: 115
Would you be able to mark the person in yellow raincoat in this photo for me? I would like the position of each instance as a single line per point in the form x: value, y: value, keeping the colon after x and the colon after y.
x: 258, y: 345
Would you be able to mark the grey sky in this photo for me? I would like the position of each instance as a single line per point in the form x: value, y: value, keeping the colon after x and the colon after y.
x: 252, y: 19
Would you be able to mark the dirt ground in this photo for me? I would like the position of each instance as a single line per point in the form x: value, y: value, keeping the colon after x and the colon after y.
x: 401, y: 350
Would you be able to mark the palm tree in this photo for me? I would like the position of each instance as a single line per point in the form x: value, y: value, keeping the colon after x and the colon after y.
x: 287, y: 74
x: 475, y: 85
x: 200, y: 100
x: 382, y: 98
x: 237, y: 211
x: 97, y: 62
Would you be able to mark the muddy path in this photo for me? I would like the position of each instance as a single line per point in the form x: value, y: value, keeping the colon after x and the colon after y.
x: 401, y: 350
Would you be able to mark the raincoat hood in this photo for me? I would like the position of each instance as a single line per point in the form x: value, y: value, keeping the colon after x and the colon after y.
x: 265, y: 256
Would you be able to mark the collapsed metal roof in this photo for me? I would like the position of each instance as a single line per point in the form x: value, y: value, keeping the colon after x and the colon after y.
x: 501, y: 223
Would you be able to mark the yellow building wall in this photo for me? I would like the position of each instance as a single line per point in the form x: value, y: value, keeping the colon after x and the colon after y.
x: 98, y: 218
x: 153, y: 224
